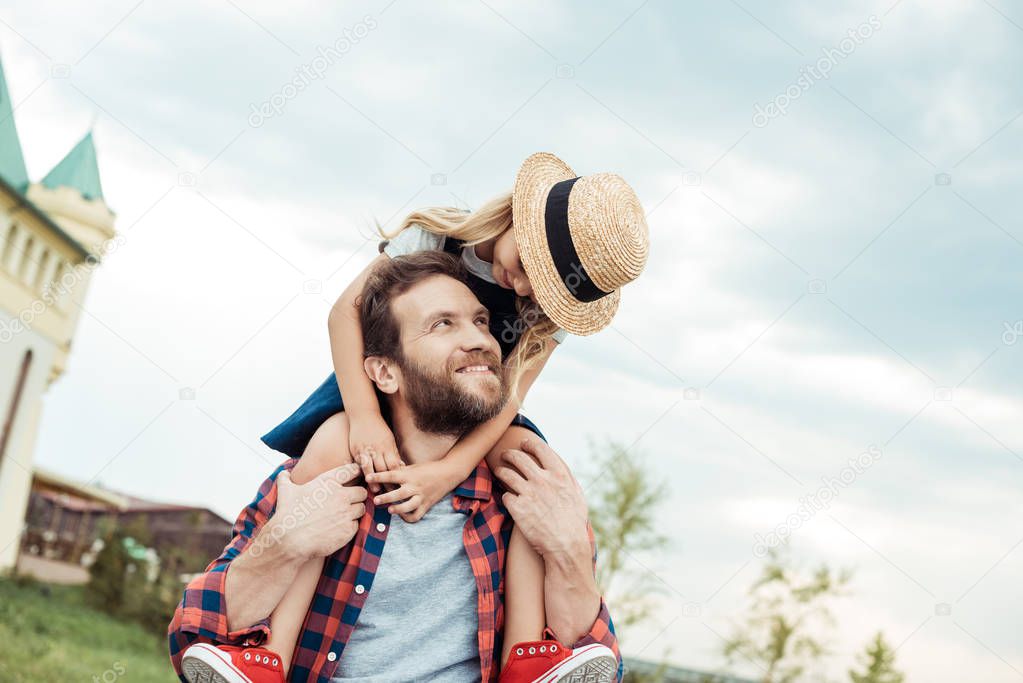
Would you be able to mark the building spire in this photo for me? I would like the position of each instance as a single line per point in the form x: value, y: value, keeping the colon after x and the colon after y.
x: 78, y: 170
x: 12, y: 162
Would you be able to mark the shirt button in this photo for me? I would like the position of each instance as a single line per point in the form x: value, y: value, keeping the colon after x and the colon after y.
x: 331, y: 656
x: 360, y: 589
x: 381, y: 526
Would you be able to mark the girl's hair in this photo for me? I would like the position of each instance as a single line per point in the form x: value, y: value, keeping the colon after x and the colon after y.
x: 472, y: 227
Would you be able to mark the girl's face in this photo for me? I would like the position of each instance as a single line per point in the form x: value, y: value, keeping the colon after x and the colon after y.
x: 507, y: 267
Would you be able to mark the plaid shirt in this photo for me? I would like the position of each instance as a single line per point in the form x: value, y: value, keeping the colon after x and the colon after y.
x: 347, y: 579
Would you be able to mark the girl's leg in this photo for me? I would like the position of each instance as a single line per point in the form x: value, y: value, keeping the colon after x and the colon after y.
x: 524, y: 616
x: 524, y: 613
x: 327, y: 449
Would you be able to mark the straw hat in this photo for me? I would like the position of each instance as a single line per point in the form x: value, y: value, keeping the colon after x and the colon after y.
x: 580, y: 240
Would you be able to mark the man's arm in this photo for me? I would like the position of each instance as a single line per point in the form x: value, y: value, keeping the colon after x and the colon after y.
x: 571, y: 596
x: 601, y: 629
x: 548, y: 506
x: 284, y: 526
x: 259, y: 578
x: 202, y: 613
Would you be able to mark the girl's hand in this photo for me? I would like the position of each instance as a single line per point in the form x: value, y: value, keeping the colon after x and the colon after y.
x: 419, y: 488
x: 372, y: 445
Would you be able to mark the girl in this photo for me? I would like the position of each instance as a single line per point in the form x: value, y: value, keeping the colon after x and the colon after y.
x: 546, y: 259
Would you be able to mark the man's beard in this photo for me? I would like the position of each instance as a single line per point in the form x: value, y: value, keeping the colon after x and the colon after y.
x: 439, y: 405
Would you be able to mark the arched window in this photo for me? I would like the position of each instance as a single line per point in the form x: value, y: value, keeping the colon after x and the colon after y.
x: 12, y: 409
x: 44, y: 262
x: 9, y: 234
x: 26, y: 256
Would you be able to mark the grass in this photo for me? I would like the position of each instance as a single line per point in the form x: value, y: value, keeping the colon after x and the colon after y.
x: 48, y: 633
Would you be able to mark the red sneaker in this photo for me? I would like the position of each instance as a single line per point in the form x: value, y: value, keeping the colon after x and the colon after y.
x: 204, y: 663
x: 548, y: 661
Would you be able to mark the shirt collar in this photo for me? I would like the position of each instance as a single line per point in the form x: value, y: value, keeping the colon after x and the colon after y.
x: 479, y: 484
x: 477, y: 266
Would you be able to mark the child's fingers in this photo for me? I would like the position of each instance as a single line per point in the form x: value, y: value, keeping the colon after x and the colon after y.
x: 397, y: 495
x: 379, y: 462
x: 413, y: 517
x: 392, y: 460
x: 406, y: 507
x: 387, y: 477
x: 366, y: 463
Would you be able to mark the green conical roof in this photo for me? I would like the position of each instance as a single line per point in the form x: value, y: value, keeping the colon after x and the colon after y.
x: 12, y: 163
x: 78, y: 170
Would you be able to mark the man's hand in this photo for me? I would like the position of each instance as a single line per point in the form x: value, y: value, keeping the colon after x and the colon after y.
x: 316, y: 518
x: 545, y: 500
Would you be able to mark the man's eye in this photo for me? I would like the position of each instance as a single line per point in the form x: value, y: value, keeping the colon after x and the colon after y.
x: 442, y: 321
x: 482, y: 320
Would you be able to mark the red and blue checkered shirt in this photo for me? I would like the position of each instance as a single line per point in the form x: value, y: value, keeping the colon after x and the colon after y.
x: 347, y: 579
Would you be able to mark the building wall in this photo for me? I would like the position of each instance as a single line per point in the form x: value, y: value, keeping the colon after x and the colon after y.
x: 16, y: 466
x: 42, y: 277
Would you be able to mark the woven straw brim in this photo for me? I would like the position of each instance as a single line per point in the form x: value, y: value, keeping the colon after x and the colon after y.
x: 529, y: 199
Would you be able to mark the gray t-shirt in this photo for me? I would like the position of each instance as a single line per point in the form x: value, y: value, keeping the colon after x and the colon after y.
x: 420, y: 618
x: 416, y: 238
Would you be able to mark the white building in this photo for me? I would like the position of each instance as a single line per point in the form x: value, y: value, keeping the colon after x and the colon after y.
x: 52, y: 235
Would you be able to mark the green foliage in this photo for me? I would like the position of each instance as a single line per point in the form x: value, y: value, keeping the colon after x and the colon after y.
x: 121, y: 585
x: 879, y: 664
x: 108, y: 574
x: 790, y: 610
x: 51, y: 633
x: 623, y: 498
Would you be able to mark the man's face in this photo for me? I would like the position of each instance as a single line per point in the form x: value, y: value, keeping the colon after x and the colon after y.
x: 450, y: 373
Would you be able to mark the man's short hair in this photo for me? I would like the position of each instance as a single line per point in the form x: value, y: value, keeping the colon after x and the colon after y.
x: 381, y: 333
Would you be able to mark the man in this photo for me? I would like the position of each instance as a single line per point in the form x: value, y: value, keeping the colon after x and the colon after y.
x: 437, y: 622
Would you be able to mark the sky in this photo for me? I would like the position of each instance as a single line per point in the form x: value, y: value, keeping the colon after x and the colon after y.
x: 833, y: 202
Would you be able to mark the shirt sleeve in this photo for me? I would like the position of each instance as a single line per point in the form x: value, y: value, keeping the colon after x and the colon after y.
x: 201, y: 616
x: 412, y: 239
x: 603, y: 629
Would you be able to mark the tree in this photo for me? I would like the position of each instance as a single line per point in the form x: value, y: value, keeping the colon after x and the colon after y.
x: 623, y: 496
x: 879, y: 660
x: 108, y: 573
x: 789, y: 612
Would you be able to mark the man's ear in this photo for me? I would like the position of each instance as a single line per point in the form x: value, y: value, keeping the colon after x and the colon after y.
x: 383, y: 372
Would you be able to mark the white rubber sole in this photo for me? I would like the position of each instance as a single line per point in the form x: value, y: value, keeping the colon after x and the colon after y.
x: 204, y: 663
x: 588, y: 664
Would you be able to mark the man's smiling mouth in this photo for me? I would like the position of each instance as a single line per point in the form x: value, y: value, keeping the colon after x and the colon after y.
x: 475, y: 369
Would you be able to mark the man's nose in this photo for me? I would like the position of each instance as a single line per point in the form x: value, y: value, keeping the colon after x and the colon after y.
x: 477, y: 338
